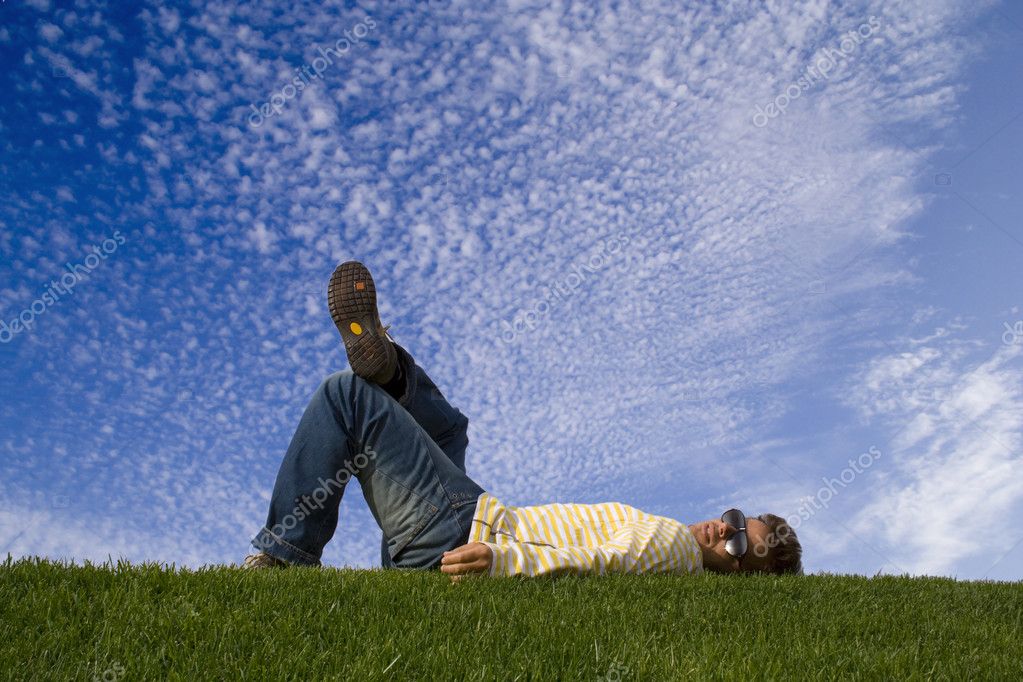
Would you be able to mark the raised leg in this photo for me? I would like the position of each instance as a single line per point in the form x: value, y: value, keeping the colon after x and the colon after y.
x: 421, y: 500
x: 442, y: 422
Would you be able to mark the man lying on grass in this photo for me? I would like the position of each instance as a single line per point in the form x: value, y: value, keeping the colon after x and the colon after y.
x: 386, y: 423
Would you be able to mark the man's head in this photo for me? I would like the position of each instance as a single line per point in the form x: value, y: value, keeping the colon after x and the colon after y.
x: 773, y: 546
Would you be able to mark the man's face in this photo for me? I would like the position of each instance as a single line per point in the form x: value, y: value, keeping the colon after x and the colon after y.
x: 712, y: 536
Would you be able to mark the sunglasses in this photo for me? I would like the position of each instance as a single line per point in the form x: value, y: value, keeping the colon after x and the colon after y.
x: 738, y: 544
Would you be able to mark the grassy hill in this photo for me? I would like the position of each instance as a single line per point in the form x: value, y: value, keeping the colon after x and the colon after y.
x: 144, y: 622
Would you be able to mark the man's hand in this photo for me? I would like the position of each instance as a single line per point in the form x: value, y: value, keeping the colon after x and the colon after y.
x: 459, y: 562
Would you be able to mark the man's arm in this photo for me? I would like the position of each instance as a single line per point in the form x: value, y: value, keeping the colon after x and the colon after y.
x: 523, y: 558
x: 531, y: 559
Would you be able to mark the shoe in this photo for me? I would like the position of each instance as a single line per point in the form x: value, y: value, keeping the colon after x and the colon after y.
x: 263, y: 560
x: 352, y: 299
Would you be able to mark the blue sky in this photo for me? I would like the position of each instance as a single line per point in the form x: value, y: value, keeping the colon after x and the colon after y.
x: 685, y: 259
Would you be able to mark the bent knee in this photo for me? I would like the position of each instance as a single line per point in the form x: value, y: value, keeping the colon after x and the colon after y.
x: 340, y: 383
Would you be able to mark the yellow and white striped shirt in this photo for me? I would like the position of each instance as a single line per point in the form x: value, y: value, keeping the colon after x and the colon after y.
x: 582, y: 538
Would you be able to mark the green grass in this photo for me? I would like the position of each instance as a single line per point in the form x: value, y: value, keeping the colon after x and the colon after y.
x: 144, y: 622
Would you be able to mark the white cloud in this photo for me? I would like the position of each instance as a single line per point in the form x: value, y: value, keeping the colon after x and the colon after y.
x: 957, y: 455
x: 50, y: 32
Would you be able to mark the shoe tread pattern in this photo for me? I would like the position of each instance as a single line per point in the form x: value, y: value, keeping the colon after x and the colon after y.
x: 369, y: 353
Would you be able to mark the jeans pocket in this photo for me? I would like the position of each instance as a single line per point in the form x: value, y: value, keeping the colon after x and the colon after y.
x: 401, y: 512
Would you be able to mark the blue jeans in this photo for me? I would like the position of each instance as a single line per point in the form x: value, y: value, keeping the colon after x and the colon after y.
x: 409, y: 457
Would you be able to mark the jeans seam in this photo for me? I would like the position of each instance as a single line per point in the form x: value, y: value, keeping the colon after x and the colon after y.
x: 418, y: 528
x: 460, y: 424
x: 413, y: 534
x: 463, y: 532
x: 408, y: 365
x: 397, y: 482
x: 284, y: 542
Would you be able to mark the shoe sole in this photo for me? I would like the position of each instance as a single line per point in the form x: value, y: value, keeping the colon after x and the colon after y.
x: 352, y: 299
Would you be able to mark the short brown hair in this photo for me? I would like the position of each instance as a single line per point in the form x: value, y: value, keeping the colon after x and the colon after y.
x: 785, y: 554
